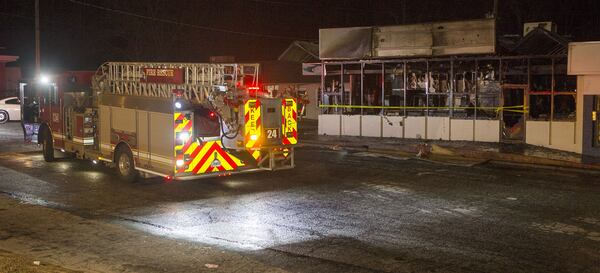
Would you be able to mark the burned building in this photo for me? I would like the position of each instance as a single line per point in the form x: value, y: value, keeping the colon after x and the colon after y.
x: 457, y: 81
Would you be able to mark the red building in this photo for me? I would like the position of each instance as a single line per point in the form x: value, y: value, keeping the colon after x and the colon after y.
x: 9, y: 76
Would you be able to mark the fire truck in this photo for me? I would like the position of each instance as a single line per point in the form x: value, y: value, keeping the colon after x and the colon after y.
x: 176, y: 120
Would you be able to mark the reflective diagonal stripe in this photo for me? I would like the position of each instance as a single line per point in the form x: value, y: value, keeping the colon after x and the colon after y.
x: 252, y: 127
x: 252, y: 123
x: 212, y: 158
x: 199, y: 157
x: 289, y: 124
x: 181, y: 124
x: 255, y: 154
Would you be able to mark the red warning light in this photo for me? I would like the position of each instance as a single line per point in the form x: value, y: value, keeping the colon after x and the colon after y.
x: 253, y: 90
x: 212, y: 115
x: 178, y: 92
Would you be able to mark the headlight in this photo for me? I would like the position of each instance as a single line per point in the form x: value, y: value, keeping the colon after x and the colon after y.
x: 184, y: 136
x: 179, y: 162
x: 178, y: 105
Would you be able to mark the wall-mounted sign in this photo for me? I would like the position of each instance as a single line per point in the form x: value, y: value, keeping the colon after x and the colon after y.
x: 312, y: 69
x: 163, y: 75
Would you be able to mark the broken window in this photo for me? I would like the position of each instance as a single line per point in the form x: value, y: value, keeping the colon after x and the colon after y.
x: 351, y: 88
x: 540, y: 88
x: 394, y: 89
x: 416, y: 88
x: 488, y: 89
x: 372, y: 96
x: 464, y: 89
x: 331, y: 95
x: 564, y: 95
x: 439, y: 88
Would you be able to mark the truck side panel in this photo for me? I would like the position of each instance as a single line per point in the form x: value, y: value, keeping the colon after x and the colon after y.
x: 104, y: 129
x: 161, y: 141
x: 146, y: 133
x: 123, y: 120
x: 143, y: 122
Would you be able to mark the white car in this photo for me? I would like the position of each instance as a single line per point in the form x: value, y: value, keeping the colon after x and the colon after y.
x: 10, y: 109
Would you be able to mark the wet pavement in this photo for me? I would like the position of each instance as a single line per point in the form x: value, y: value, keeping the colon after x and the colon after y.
x: 340, y: 211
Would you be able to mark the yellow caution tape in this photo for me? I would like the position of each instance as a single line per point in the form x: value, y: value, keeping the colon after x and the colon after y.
x: 516, y: 108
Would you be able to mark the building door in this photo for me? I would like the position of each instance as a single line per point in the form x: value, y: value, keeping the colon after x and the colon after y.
x: 591, y: 129
x: 512, y: 113
x: 596, y: 123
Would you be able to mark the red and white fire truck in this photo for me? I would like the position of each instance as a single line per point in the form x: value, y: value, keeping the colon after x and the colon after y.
x: 175, y: 120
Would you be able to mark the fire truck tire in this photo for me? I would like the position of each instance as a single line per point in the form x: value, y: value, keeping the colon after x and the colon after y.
x: 48, y: 147
x: 3, y: 117
x: 125, y: 164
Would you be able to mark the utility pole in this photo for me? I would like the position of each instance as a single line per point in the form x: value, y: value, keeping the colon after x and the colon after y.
x: 37, y: 38
x: 404, y: 11
x: 495, y: 12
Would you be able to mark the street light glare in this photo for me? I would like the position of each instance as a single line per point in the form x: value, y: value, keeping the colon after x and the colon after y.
x: 44, y: 79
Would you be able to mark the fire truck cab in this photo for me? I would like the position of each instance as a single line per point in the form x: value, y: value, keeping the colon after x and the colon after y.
x: 175, y: 120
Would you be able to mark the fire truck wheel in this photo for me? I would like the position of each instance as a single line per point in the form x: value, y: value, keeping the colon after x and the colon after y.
x: 48, y: 148
x: 3, y: 116
x: 125, y: 165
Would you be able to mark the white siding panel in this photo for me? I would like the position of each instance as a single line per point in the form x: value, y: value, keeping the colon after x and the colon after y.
x: 329, y: 125
x: 371, y: 126
x: 393, y: 127
x: 462, y: 130
x: 537, y: 133
x: 438, y: 128
x: 563, y: 137
x: 351, y: 125
x: 487, y: 130
x: 415, y: 127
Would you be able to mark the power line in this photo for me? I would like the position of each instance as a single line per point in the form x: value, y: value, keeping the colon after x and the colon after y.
x: 206, y: 28
x: 16, y: 15
x: 299, y: 4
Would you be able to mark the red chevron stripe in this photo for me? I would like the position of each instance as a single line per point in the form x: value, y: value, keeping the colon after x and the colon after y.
x: 204, y: 158
x: 187, y: 127
x: 195, y: 153
x: 227, y: 158
x: 187, y: 145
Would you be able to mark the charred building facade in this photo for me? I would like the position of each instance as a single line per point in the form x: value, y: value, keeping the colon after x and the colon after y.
x: 457, y: 81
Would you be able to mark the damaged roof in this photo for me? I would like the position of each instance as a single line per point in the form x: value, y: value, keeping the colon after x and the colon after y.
x: 284, y: 72
x: 541, y: 42
x: 301, y: 52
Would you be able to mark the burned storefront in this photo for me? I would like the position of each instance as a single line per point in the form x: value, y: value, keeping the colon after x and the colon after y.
x: 449, y: 81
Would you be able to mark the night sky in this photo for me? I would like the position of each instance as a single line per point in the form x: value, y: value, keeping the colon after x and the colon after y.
x: 81, y: 34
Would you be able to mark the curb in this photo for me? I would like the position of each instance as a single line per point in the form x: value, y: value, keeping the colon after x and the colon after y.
x: 449, y: 152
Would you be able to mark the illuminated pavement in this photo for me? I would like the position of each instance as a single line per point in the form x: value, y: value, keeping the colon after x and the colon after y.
x: 342, y: 212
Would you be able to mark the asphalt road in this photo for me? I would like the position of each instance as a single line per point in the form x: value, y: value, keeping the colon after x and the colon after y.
x: 336, y: 212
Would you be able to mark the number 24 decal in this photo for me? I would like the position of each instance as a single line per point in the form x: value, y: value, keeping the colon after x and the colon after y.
x: 272, y: 133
